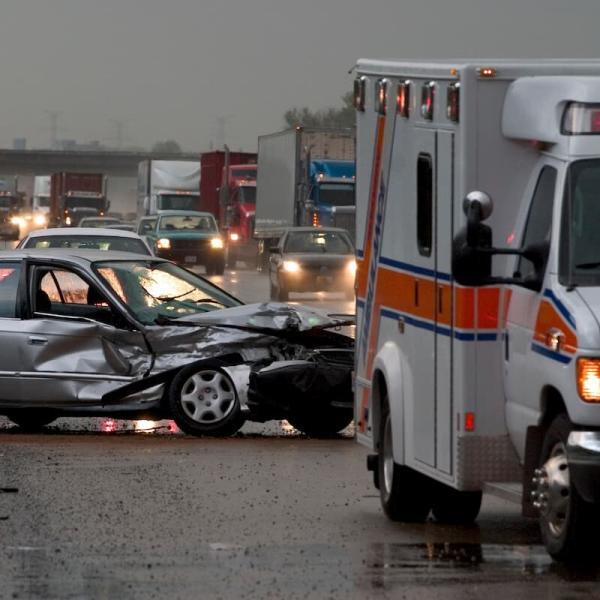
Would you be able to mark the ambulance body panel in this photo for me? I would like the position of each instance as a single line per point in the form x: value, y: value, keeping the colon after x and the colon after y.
x: 466, y: 369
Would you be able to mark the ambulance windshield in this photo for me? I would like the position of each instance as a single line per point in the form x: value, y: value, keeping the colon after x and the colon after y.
x: 580, y: 242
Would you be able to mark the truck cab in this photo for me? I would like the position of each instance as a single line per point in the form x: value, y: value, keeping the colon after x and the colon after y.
x: 332, y: 193
x: 478, y: 334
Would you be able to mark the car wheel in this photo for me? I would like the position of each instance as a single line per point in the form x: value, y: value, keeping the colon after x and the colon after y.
x: 32, y: 420
x: 210, y: 269
x: 568, y: 523
x: 219, y: 265
x: 203, y: 401
x: 405, y: 494
x: 231, y: 258
x: 454, y: 507
x: 322, y: 423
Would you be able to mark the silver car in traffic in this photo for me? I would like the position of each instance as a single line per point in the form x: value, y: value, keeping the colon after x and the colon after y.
x: 104, y: 333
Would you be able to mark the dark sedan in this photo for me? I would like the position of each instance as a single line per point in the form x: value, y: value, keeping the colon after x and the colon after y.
x: 309, y: 259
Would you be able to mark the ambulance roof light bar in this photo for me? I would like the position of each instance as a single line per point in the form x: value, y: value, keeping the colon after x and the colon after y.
x: 581, y: 119
x: 427, y: 100
x: 381, y: 89
x: 403, y: 98
x: 360, y: 88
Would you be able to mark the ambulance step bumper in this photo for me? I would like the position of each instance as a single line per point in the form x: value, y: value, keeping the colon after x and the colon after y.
x: 513, y: 492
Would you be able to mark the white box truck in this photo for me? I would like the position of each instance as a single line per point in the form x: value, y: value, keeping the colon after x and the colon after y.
x: 306, y: 177
x: 478, y: 289
x: 168, y: 185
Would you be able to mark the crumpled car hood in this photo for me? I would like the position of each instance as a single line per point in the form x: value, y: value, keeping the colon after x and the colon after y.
x: 274, y: 316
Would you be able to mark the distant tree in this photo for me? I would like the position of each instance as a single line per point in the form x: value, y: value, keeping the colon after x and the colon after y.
x: 325, y: 118
x: 166, y: 147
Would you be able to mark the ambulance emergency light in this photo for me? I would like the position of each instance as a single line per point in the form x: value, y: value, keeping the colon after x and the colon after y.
x: 581, y: 119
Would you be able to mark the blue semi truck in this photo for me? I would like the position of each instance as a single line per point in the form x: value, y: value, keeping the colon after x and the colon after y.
x: 305, y: 177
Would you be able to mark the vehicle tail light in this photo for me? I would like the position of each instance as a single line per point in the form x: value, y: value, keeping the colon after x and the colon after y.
x: 588, y: 379
x: 470, y: 421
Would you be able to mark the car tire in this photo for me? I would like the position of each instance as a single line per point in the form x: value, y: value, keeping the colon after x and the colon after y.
x: 405, y: 494
x: 32, y: 420
x: 204, y: 402
x: 210, y: 269
x: 568, y: 524
x: 231, y: 261
x: 454, y: 507
x: 219, y: 266
x: 322, y: 423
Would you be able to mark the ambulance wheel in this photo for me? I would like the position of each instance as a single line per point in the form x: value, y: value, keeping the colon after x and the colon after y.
x: 405, y: 494
x: 569, y: 524
x: 32, y: 420
x: 454, y: 507
x: 203, y: 401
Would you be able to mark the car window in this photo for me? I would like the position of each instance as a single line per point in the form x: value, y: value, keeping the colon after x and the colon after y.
x: 187, y: 223
x: 319, y: 242
x: 65, y: 287
x: 89, y: 242
x: 146, y: 226
x: 9, y: 284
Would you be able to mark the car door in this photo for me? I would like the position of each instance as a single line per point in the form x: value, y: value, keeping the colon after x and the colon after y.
x: 10, y: 330
x: 76, y: 344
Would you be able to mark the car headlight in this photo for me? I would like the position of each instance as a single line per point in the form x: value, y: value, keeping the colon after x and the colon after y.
x: 291, y: 266
x: 39, y: 220
x: 68, y: 221
x: 216, y: 243
x: 20, y: 221
x: 234, y: 237
x: 588, y: 379
x: 163, y: 244
x: 351, y: 267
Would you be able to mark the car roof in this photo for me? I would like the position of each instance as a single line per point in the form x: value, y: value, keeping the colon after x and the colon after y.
x: 87, y: 231
x: 79, y: 257
x: 316, y: 229
x: 183, y: 213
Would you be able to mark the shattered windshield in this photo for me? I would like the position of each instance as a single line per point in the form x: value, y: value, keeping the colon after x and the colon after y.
x: 155, y: 291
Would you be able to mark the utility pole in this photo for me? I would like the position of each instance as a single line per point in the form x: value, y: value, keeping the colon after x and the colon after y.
x: 119, y: 137
x: 53, y: 116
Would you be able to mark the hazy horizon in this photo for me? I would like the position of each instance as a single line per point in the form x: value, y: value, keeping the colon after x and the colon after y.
x: 171, y: 70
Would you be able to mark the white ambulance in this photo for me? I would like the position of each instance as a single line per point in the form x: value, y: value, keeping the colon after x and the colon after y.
x: 478, y: 289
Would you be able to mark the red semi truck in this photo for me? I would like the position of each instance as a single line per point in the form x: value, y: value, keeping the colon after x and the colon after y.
x: 74, y: 196
x: 228, y: 191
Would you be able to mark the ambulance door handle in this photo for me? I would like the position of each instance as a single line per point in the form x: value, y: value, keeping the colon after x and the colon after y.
x: 440, y: 299
x: 416, y: 293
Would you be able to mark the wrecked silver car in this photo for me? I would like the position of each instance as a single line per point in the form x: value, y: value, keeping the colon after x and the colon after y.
x: 105, y: 333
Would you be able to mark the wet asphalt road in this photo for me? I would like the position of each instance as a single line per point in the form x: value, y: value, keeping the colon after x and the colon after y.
x: 111, y: 509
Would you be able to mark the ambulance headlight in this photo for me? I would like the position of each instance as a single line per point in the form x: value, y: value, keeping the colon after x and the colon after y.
x: 291, y: 266
x: 588, y: 379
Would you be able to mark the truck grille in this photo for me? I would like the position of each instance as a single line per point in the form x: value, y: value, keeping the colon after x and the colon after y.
x: 345, y: 220
x: 183, y: 244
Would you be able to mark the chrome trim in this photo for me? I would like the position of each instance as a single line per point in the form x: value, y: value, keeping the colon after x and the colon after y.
x: 583, y: 444
x: 57, y: 375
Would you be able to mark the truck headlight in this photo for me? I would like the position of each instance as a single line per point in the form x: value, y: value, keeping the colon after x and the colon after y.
x: 39, y: 220
x: 216, y: 243
x: 19, y: 221
x: 68, y: 221
x: 163, y: 244
x: 291, y: 266
x: 234, y: 237
x: 588, y: 379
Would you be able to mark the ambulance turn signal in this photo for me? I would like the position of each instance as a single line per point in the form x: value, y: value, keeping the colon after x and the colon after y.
x: 588, y: 379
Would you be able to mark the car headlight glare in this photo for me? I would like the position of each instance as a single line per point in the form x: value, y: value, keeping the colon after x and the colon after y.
x: 216, y: 243
x: 39, y: 220
x: 18, y: 221
x: 234, y: 237
x: 163, y: 244
x: 351, y: 267
x: 291, y: 266
x: 588, y: 379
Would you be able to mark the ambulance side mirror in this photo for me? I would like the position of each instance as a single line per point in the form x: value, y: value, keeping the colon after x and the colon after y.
x: 471, y: 264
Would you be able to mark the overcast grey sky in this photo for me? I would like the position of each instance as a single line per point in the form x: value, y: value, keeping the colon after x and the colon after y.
x: 169, y: 68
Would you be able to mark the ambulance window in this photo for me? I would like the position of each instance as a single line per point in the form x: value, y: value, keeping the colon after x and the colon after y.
x: 539, y: 221
x: 424, y: 204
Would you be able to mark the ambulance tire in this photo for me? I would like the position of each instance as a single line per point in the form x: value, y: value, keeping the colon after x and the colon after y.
x: 569, y: 530
x: 454, y: 507
x: 405, y: 494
